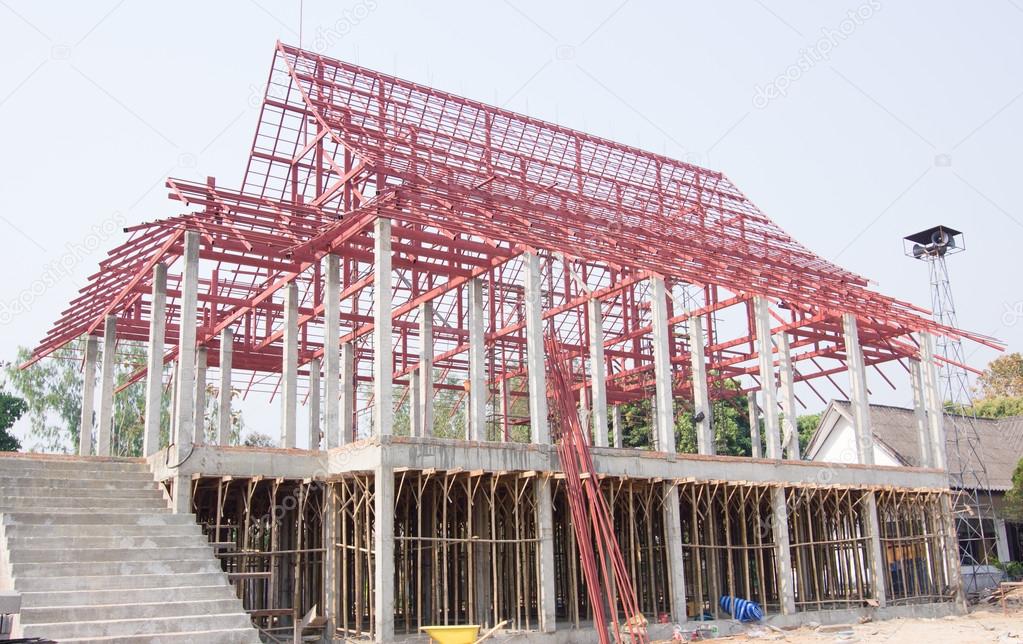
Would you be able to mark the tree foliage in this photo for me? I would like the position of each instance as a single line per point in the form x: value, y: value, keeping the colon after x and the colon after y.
x: 1003, y: 377
x: 11, y: 409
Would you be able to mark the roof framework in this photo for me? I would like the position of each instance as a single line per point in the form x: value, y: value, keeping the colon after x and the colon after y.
x: 469, y: 188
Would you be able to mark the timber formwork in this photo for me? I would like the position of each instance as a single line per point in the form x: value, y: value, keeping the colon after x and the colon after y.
x: 393, y: 261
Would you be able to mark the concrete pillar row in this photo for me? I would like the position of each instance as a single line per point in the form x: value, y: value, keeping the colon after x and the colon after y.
x: 224, y: 402
x: 289, y: 367
x: 769, y: 395
x: 858, y: 391
x: 314, y: 404
x: 477, y: 419
x: 664, y: 416
x: 598, y: 372
x: 106, y: 387
x: 425, y: 370
x: 701, y: 392
x: 332, y: 352
x: 536, y: 375
x: 383, y: 360
x: 154, y: 361
x: 88, y: 397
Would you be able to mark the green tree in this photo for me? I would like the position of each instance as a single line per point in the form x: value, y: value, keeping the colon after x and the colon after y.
x: 11, y: 409
x: 1003, y: 377
x: 1013, y: 508
x: 807, y: 425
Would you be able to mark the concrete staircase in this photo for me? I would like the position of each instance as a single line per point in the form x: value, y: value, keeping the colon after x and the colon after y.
x: 97, y: 557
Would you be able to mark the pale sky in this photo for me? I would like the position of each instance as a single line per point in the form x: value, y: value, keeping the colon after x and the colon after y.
x: 851, y: 124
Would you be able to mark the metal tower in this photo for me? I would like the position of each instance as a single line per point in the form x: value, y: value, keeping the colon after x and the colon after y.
x: 966, y: 468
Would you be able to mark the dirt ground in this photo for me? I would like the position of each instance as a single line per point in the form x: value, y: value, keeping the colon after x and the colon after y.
x: 985, y: 624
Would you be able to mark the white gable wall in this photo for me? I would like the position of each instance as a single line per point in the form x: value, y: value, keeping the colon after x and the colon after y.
x: 839, y: 446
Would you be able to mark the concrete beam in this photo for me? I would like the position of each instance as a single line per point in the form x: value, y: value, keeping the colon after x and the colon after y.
x: 858, y: 391
x: 383, y: 360
x: 663, y: 395
x: 314, y: 404
x: 154, y: 361
x: 786, y: 377
x: 701, y: 393
x: 224, y: 402
x: 201, y: 362
x: 598, y: 373
x: 106, y: 386
x: 289, y: 367
x: 425, y: 370
x: 916, y: 377
x: 765, y: 351
x: 536, y: 374
x: 346, y: 410
x: 332, y: 351
x: 477, y: 421
x: 184, y: 427
x: 88, y: 397
x: 935, y: 406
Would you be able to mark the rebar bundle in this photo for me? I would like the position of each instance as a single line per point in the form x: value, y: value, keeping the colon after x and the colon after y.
x: 608, y: 584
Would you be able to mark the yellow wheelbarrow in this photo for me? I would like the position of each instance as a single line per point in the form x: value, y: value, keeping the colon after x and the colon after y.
x: 462, y: 634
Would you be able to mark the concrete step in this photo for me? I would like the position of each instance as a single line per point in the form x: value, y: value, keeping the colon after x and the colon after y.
x: 90, y: 569
x: 65, y: 631
x: 224, y: 636
x: 116, y: 582
x: 76, y: 475
x: 136, y: 610
x: 98, y: 490
x: 97, y: 555
x: 123, y: 516
x: 66, y: 530
x: 15, y: 503
x: 53, y: 598
x: 113, y: 540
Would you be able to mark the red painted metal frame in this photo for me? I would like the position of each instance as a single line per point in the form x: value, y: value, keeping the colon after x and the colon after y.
x: 469, y: 188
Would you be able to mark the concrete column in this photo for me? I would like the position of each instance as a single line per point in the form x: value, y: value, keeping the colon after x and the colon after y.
x: 536, y: 374
x: 754, y: 425
x: 184, y: 427
x: 545, y: 523
x: 598, y: 375
x: 199, y: 422
x: 383, y: 547
x: 765, y: 351
x: 425, y: 370
x: 786, y: 377
x: 106, y: 386
x: 923, y: 435
x: 616, y: 424
x: 950, y: 549
x: 332, y: 351
x: 935, y: 406
x: 331, y: 574
x: 289, y: 367
x: 858, y: 381
x: 182, y: 490
x: 701, y: 393
x: 346, y: 411
x: 674, y: 549
x: 172, y: 434
x: 314, y: 404
x: 654, y: 438
x: 878, y: 563
x: 782, y: 550
x: 482, y: 565
x: 88, y: 397
x: 477, y: 364
x: 383, y: 367
x: 415, y: 407
x: 1001, y: 540
x: 663, y: 395
x: 224, y: 403
x: 154, y: 361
